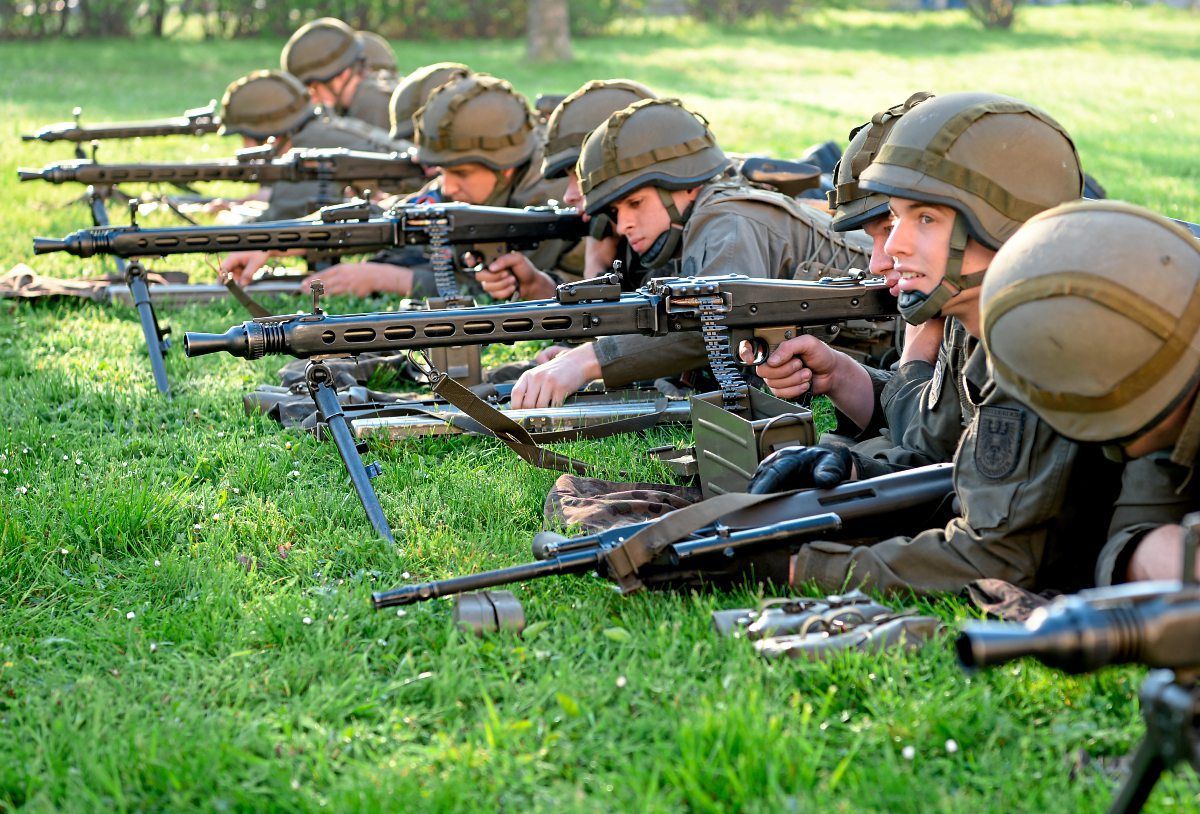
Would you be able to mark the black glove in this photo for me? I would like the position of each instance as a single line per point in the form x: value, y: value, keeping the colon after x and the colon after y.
x: 802, y: 468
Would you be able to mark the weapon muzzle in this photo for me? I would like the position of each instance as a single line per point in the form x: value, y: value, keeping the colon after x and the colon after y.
x: 404, y: 595
x: 29, y: 137
x: 26, y: 174
x: 48, y: 245
x: 1074, y: 637
x: 235, y: 341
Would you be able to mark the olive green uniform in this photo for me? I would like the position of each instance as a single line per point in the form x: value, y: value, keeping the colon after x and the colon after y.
x: 295, y: 199
x: 735, y: 229
x: 1029, y: 502
x: 372, y: 101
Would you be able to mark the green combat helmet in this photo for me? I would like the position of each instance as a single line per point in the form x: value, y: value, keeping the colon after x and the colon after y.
x: 654, y: 142
x: 413, y: 91
x: 994, y: 160
x: 853, y: 207
x: 581, y: 113
x: 378, y: 53
x: 265, y: 104
x: 477, y: 119
x: 321, y: 50
x: 1091, y: 316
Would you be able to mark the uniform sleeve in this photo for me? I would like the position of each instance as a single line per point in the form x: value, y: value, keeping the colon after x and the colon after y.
x: 718, y: 242
x: 1011, y: 475
x: 1154, y: 492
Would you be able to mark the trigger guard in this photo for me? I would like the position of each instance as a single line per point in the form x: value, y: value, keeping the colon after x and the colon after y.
x: 761, y: 351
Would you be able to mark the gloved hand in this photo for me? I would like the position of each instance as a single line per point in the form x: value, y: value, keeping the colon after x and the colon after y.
x: 802, y: 468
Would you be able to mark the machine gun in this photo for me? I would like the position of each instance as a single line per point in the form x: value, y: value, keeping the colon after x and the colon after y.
x: 255, y: 165
x: 706, y: 537
x: 1152, y: 623
x: 721, y: 309
x: 198, y: 121
x: 350, y: 228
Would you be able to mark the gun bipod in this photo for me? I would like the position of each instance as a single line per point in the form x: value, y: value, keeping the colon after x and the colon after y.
x: 318, y: 377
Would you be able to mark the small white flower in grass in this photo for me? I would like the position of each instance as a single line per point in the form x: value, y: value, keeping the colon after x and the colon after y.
x: 288, y: 445
x: 130, y: 615
x: 908, y: 752
x: 622, y: 681
x: 63, y: 551
x: 153, y: 647
x: 381, y: 642
x: 157, y: 563
x: 221, y: 434
x: 66, y: 457
x: 22, y: 490
x: 951, y: 746
x: 237, y: 491
x: 4, y: 471
x: 217, y: 516
x: 79, y: 461
x: 195, y: 527
x: 295, y: 473
x: 25, y: 450
x: 307, y: 620
x: 401, y: 612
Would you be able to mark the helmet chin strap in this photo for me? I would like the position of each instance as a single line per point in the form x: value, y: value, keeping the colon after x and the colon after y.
x: 917, y: 307
x: 500, y: 192
x: 666, y: 244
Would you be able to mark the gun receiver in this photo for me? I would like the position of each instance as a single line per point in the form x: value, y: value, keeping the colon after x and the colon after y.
x: 343, y: 229
x: 662, y: 306
x: 341, y: 165
x: 195, y: 122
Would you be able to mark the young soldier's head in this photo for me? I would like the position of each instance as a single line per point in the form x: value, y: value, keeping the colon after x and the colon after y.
x: 643, y: 168
x: 329, y: 57
x: 1091, y: 316
x: 480, y: 133
x: 855, y: 208
x: 576, y: 116
x: 378, y: 54
x: 413, y: 91
x: 264, y: 105
x: 963, y: 172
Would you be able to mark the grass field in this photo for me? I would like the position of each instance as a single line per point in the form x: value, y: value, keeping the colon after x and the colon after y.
x: 184, y: 622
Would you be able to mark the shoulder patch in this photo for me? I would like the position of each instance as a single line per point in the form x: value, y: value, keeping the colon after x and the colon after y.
x: 998, y: 440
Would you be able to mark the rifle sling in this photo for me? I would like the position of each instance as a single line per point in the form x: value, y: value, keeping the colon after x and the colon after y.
x: 491, y: 421
x: 246, y: 300
x: 625, y: 560
x: 512, y: 434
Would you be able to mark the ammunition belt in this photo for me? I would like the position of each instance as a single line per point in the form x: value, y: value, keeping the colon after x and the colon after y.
x: 442, y: 258
x: 715, y: 334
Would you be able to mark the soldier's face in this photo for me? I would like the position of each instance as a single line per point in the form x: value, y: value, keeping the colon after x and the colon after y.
x: 574, y: 195
x: 878, y: 230
x: 641, y: 218
x: 469, y: 183
x: 919, y: 245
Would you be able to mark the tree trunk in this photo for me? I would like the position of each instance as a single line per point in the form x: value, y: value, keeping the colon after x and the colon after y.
x: 548, y: 24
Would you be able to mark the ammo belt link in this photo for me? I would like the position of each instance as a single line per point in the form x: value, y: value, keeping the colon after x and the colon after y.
x: 441, y: 258
x: 720, y: 358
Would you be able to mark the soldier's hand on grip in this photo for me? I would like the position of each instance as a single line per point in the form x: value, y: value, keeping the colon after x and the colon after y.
x: 796, y: 366
x: 802, y: 468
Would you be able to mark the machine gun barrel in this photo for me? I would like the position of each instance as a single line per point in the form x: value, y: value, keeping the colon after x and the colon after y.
x: 1152, y: 623
x: 196, y: 122
x: 664, y: 305
x: 341, y: 165
x: 344, y: 228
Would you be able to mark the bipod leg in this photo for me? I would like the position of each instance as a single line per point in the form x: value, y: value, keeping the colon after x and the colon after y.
x: 157, y: 342
x: 1170, y: 704
x: 318, y: 377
